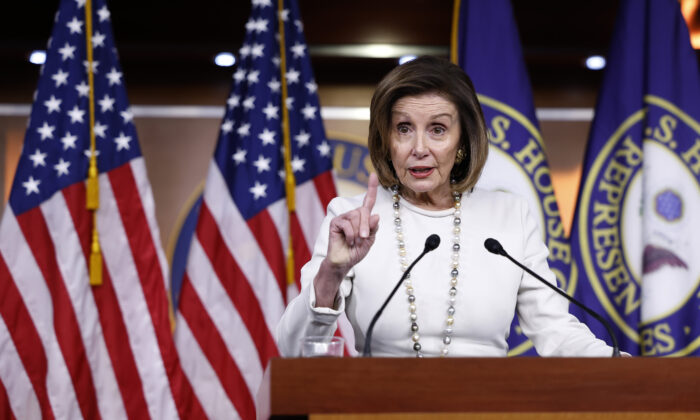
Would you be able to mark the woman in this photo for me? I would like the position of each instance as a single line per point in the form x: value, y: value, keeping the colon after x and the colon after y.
x: 428, y: 143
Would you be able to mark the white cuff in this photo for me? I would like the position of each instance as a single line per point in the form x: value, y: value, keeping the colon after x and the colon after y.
x: 325, y: 315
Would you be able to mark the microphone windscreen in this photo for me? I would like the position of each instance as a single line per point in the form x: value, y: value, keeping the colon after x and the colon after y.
x: 493, y: 246
x: 432, y: 242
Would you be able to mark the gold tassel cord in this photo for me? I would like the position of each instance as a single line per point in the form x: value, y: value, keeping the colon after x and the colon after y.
x: 454, y: 54
x: 93, y: 191
x: 289, y: 181
x: 93, y: 197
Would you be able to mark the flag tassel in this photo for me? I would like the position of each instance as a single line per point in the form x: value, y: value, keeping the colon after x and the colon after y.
x: 95, y: 256
x: 93, y: 188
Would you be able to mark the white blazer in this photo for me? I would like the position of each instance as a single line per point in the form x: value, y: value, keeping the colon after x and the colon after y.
x: 490, y: 289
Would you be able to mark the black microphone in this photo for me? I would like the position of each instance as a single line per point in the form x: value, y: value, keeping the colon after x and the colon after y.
x: 431, y: 243
x: 494, y: 247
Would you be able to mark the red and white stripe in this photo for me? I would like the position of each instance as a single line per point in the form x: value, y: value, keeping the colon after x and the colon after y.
x: 74, y: 351
x: 235, y: 291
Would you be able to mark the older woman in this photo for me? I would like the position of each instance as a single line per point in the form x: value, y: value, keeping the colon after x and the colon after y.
x: 428, y: 143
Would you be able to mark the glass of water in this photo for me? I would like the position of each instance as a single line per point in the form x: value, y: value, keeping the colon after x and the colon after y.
x: 320, y: 346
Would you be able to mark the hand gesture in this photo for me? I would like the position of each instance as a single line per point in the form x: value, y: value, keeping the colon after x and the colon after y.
x: 350, y: 238
x: 352, y: 233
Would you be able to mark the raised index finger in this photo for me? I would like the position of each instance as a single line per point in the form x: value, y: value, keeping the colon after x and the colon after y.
x: 371, y: 195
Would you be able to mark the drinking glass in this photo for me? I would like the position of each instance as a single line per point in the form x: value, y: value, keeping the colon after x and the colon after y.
x: 319, y: 346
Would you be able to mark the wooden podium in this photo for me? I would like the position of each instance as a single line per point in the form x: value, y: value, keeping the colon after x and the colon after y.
x: 480, y: 388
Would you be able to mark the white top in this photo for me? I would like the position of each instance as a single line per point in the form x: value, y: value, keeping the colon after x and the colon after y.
x: 490, y: 289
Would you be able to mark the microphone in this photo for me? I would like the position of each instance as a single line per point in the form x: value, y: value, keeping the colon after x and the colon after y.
x: 494, y: 247
x: 431, y: 243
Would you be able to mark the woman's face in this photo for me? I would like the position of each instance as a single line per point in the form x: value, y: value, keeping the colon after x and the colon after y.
x: 424, y: 138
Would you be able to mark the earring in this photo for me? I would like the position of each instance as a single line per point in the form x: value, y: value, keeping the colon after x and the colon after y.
x: 460, y: 156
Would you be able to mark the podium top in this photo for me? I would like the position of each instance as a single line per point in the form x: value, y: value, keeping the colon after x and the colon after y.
x: 380, y: 385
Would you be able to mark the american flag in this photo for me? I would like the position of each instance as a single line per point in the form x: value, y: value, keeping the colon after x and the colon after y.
x: 71, y: 350
x: 235, y: 287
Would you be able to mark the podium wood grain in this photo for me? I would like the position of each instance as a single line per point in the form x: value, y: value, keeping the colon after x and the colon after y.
x: 481, y: 385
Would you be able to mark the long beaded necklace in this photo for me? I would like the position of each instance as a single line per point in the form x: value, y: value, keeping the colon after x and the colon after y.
x: 454, y: 272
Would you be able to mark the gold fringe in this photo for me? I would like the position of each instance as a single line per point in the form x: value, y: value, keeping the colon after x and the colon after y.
x: 92, y: 199
x: 289, y: 181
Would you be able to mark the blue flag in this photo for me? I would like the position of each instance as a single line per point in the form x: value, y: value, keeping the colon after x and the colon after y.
x: 489, y: 51
x: 635, y: 236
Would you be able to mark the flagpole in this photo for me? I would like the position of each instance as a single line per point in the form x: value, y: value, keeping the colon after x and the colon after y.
x: 93, y: 192
x: 289, y: 181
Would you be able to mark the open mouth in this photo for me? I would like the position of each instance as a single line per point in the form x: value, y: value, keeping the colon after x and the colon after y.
x: 421, y: 171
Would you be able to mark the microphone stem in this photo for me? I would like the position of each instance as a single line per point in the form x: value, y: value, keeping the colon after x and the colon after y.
x: 606, y: 324
x: 367, y: 351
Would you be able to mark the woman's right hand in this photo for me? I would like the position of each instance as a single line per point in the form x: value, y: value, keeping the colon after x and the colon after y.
x: 351, y: 236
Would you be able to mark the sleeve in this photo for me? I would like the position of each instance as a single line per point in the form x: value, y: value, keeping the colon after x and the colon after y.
x: 543, y: 314
x: 301, y: 317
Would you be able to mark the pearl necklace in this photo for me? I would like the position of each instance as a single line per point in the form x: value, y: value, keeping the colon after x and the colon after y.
x: 454, y: 272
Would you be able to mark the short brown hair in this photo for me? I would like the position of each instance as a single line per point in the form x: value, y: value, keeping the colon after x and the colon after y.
x: 429, y: 75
